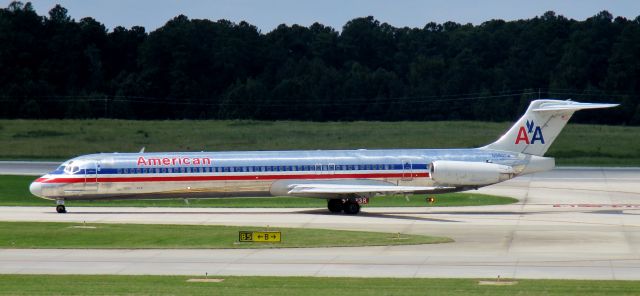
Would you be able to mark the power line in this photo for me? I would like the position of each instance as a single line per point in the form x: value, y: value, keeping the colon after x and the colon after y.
x: 280, y: 102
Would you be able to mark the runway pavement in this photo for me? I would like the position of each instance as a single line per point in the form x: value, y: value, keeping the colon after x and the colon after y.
x: 35, y: 168
x: 578, y: 223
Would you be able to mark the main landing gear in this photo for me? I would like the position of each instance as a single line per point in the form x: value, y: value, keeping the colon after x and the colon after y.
x: 60, y: 206
x: 349, y: 206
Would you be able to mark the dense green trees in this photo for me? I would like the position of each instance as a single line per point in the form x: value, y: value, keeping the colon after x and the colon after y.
x: 53, y: 67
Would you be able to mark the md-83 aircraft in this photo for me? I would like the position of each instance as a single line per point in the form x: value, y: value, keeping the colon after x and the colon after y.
x: 342, y: 177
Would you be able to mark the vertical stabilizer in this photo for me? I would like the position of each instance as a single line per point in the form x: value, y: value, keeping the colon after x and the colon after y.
x: 536, y: 130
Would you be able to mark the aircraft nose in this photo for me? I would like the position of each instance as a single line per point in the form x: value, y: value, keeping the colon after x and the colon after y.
x: 36, y: 188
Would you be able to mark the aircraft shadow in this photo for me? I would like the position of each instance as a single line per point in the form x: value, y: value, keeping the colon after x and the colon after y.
x: 482, y: 213
x: 176, y: 213
x: 388, y: 215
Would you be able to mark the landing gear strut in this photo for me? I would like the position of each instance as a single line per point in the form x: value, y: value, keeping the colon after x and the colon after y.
x: 60, y: 206
x: 335, y: 205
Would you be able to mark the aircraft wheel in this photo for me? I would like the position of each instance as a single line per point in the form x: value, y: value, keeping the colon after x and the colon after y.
x: 335, y: 205
x: 351, y: 207
x: 61, y: 209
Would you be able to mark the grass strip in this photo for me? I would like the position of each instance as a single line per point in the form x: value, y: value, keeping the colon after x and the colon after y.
x: 309, y: 286
x: 43, y: 235
x: 579, y: 144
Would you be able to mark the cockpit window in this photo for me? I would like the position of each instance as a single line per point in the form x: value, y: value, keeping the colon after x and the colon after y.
x: 60, y: 168
x: 71, y: 169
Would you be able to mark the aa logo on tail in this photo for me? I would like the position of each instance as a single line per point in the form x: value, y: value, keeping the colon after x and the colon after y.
x: 531, y: 129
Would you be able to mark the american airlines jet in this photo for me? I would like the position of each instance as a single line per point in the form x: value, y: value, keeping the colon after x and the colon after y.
x: 345, y: 178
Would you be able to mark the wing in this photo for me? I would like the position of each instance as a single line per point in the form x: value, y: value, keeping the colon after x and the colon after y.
x: 316, y: 189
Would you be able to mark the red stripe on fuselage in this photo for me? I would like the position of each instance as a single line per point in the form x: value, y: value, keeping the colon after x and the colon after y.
x: 227, y: 178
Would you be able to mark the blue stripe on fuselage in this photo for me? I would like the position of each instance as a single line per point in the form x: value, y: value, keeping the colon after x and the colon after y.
x: 246, y: 169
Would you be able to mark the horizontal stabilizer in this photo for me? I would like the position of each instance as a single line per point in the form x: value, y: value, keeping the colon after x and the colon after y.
x: 571, y: 106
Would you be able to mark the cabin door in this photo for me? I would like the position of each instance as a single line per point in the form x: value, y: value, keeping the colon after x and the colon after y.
x: 91, y: 176
x: 407, y: 170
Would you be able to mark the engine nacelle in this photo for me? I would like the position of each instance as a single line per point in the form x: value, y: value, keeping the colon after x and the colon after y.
x: 459, y: 173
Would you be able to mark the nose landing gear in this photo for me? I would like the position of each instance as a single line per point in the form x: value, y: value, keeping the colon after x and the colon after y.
x: 60, y: 206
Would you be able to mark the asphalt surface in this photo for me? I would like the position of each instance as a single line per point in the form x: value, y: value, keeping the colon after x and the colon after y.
x: 33, y: 168
x: 573, y: 223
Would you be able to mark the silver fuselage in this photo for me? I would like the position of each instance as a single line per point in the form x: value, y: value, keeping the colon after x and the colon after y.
x: 250, y: 173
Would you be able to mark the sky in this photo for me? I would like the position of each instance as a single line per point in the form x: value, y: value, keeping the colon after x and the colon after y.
x: 268, y: 14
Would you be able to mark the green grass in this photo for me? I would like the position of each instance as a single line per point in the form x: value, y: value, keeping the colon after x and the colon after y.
x: 154, y: 236
x: 177, y: 285
x: 14, y: 191
x: 62, y: 139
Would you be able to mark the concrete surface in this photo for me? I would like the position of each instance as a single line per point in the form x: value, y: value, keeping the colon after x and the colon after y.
x: 577, y: 223
x: 32, y: 168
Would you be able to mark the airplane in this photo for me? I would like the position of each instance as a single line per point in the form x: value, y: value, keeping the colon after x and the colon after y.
x: 345, y: 178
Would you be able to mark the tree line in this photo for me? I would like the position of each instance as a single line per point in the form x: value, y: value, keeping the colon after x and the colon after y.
x: 56, y: 67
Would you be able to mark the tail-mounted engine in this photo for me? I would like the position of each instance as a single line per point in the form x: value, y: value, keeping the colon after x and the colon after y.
x: 460, y: 173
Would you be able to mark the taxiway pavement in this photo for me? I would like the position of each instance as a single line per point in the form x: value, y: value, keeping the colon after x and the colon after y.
x: 574, y: 223
x: 33, y: 168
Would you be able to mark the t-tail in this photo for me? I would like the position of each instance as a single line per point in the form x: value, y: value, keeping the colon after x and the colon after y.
x: 536, y: 130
